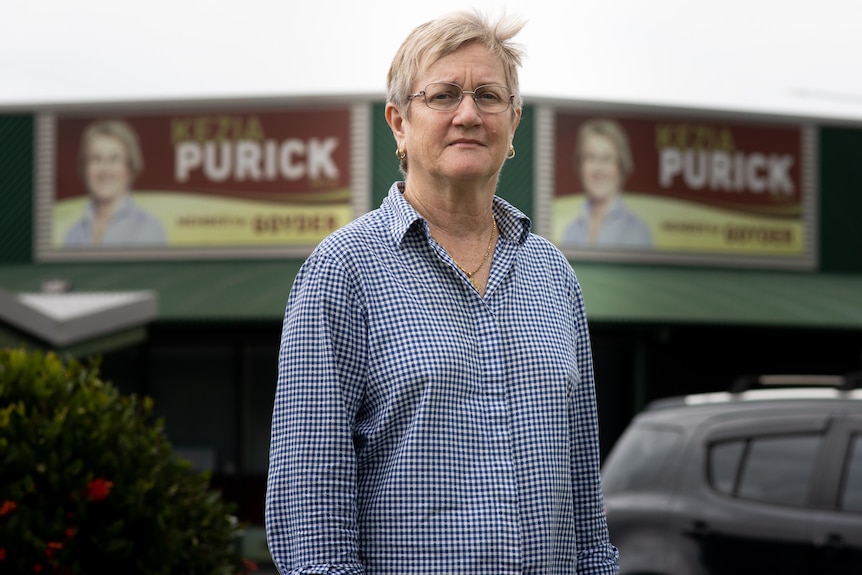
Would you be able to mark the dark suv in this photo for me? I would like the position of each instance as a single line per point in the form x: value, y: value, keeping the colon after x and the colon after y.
x: 761, y: 479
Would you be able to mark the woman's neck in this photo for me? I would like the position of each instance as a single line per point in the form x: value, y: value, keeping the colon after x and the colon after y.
x: 454, y: 211
x: 103, y: 210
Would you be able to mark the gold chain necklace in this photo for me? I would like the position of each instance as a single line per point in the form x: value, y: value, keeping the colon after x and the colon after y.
x: 485, y: 259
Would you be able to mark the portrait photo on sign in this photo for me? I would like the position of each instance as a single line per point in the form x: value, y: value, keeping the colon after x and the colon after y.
x: 660, y: 187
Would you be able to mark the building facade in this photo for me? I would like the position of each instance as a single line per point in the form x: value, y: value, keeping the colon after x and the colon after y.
x: 751, y: 260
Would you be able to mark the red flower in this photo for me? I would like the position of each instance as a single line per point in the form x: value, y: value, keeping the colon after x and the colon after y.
x: 98, y: 489
x: 7, y: 507
x: 37, y: 568
x: 52, y: 547
x: 2, y: 554
x: 70, y: 532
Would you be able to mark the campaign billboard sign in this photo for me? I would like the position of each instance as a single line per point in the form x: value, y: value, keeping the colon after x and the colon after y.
x: 649, y: 186
x: 226, y: 179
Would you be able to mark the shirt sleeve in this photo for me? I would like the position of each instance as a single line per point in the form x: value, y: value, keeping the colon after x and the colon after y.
x: 596, y: 555
x: 311, y: 484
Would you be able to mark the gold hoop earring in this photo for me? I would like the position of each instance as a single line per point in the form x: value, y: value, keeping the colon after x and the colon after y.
x: 511, y: 153
x: 400, y: 154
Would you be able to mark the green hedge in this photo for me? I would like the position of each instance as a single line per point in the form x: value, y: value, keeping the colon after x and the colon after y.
x: 89, y: 483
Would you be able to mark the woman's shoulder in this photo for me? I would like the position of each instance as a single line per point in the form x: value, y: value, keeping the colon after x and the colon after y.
x: 358, y: 247
x: 544, y: 257
x: 357, y: 234
x: 544, y: 246
x: 350, y: 259
x: 147, y: 227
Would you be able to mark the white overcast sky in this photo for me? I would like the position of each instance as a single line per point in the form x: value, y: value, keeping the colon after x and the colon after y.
x: 788, y: 57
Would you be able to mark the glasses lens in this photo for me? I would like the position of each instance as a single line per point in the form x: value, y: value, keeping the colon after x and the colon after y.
x: 443, y: 96
x: 492, y: 98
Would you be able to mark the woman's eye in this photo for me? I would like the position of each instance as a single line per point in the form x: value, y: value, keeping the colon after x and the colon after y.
x: 489, y: 96
x: 443, y: 96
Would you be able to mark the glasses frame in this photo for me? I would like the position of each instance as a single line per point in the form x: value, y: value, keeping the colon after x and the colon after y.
x: 509, y: 101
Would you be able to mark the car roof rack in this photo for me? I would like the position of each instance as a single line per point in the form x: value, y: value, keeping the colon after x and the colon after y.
x: 841, y: 382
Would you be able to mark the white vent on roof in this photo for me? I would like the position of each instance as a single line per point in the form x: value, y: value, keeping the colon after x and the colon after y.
x: 66, y: 318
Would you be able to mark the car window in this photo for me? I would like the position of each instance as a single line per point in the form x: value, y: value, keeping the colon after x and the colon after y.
x: 724, y: 461
x: 772, y: 469
x: 851, y: 499
x: 639, y: 457
x: 779, y: 469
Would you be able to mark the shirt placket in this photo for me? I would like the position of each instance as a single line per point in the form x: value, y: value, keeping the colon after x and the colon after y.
x: 501, y: 482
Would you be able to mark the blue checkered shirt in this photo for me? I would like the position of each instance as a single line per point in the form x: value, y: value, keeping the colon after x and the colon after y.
x: 420, y: 428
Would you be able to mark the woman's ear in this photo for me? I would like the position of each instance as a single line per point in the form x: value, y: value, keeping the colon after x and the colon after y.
x: 517, y: 120
x: 396, y: 122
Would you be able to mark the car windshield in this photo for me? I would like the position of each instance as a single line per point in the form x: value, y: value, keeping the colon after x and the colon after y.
x: 639, y: 457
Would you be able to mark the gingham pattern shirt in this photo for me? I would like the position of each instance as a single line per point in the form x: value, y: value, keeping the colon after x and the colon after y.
x: 421, y: 428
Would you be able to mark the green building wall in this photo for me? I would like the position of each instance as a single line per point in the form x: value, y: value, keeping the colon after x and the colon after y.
x: 840, y: 200
x: 17, y: 190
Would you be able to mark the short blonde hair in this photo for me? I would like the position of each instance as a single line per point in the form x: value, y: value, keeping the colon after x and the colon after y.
x: 613, y: 132
x: 120, y: 130
x: 433, y: 40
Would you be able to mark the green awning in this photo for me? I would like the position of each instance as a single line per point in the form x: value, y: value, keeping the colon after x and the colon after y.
x: 187, y: 291
x: 257, y: 290
x: 634, y: 294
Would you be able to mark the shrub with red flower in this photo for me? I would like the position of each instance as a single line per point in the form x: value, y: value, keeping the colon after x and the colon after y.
x: 89, y: 483
x: 7, y: 507
x: 97, y: 489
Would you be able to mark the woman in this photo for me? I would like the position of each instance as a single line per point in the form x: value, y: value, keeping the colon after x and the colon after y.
x: 435, y: 410
x: 604, y: 162
x: 110, y: 160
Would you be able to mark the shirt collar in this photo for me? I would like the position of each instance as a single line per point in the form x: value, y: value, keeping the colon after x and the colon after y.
x: 513, y: 225
x: 125, y: 205
x: 616, y: 207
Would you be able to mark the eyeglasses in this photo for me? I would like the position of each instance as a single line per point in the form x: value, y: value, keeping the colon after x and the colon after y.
x: 445, y: 96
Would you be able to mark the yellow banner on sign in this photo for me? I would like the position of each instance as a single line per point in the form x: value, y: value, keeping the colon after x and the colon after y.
x: 194, y: 220
x: 679, y: 226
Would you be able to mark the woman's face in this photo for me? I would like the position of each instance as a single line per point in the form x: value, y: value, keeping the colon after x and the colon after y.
x: 463, y: 145
x: 107, y: 171
x: 600, y: 168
